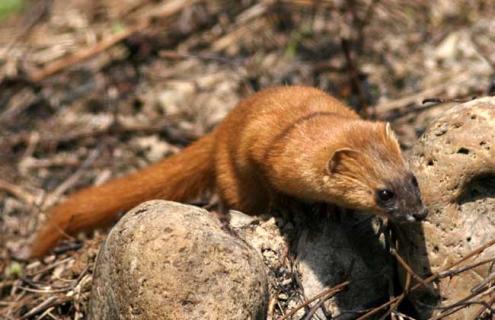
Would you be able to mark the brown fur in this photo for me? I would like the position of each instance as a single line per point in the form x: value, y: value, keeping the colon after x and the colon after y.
x: 294, y: 141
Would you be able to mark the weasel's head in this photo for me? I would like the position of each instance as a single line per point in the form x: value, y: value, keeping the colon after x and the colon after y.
x: 370, y: 173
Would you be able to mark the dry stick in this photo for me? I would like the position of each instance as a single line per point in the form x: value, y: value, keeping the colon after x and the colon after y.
x: 73, y: 179
x: 317, y: 306
x: 461, y: 304
x: 464, y: 305
x: 84, y: 54
x: 447, y: 311
x: 451, y: 273
x: 393, y: 306
x: 330, y: 292
x: 484, y: 308
x: 417, y: 97
x: 47, y: 312
x: 37, y: 12
x: 271, y: 307
x: 160, y: 127
x: 354, y: 76
x: 407, y: 267
x: 171, y: 54
x: 483, y: 283
x: 241, y: 27
x: 41, y: 307
x: 17, y: 191
x: 81, y: 55
x: 482, y: 52
x: 48, y: 303
x: 430, y: 279
x: 50, y: 266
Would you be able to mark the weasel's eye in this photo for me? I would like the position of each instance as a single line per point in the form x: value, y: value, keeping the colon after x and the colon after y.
x: 385, y: 195
x: 414, y: 181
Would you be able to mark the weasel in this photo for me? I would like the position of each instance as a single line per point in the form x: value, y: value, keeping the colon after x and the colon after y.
x: 283, y: 141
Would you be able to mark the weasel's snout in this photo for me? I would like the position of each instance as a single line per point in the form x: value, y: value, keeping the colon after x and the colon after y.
x: 409, y: 217
x: 421, y: 215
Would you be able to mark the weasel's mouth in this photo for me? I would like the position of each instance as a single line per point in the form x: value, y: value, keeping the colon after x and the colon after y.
x: 411, y: 218
x: 404, y: 218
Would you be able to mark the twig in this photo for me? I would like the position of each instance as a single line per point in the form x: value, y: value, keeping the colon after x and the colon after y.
x: 47, y: 312
x: 83, y: 54
x: 171, y: 54
x: 441, y: 100
x: 484, y: 308
x: 73, y: 179
x: 418, y: 96
x: 241, y: 26
x: 330, y: 291
x: 271, y: 307
x: 430, y: 279
x: 482, y: 52
x: 461, y: 304
x: 407, y: 286
x: 17, y: 192
x: 165, y: 127
x: 451, y: 273
x: 79, y: 56
x: 51, y: 266
x: 234, y: 36
x: 314, y: 308
x: 407, y: 267
x: 483, y: 283
x: 41, y: 307
x: 354, y: 75
x: 37, y: 12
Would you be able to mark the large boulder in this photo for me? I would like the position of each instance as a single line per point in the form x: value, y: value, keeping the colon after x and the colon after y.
x: 455, y: 164
x: 165, y: 260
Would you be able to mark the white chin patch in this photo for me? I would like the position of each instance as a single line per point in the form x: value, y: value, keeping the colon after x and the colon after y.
x: 410, y: 218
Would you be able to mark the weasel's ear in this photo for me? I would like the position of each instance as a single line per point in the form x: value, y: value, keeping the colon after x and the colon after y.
x: 388, y: 130
x: 338, y: 157
x: 389, y: 133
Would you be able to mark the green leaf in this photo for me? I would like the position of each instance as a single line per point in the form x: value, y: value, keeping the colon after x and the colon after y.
x: 9, y: 7
x: 14, y: 270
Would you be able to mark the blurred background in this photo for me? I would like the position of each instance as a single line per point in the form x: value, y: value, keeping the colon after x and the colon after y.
x: 93, y: 89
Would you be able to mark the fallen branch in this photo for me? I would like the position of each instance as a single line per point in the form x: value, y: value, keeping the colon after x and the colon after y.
x: 428, y: 280
x: 79, y: 56
x: 418, y: 97
x: 325, y: 293
x: 172, y: 134
x: 486, y: 307
x: 406, y: 267
x: 51, y: 301
x: 17, y: 192
x: 70, y: 181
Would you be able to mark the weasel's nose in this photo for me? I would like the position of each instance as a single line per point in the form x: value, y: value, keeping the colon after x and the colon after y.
x: 421, y: 214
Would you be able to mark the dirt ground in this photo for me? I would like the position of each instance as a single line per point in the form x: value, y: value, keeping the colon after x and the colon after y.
x: 91, y: 90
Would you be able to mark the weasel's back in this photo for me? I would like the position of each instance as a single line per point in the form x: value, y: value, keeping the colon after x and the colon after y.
x: 284, y: 105
x: 258, y: 120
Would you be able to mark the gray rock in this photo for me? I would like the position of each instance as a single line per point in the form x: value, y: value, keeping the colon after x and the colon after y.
x: 165, y: 260
x: 333, y: 252
x: 455, y: 165
x: 328, y: 253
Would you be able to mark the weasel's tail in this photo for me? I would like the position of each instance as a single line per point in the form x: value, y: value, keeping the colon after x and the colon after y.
x: 181, y: 177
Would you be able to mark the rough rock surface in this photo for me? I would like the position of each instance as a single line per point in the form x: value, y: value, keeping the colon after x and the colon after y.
x: 455, y: 164
x: 333, y: 252
x: 328, y: 253
x: 165, y: 260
